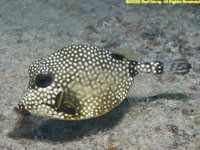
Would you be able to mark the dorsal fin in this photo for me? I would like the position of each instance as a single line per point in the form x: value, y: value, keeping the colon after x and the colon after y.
x: 126, y: 54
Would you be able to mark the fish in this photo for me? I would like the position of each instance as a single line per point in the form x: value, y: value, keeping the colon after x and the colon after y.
x: 80, y: 82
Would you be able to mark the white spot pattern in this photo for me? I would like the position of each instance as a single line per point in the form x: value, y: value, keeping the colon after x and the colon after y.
x: 93, y: 83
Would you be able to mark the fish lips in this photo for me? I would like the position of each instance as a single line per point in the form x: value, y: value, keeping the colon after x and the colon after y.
x: 20, y: 111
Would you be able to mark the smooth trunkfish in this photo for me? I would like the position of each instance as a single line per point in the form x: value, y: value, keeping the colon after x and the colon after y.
x: 80, y: 82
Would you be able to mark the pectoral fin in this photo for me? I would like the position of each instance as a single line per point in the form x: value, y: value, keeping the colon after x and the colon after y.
x: 65, y: 103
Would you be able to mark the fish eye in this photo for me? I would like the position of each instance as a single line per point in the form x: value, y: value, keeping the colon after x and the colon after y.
x: 43, y: 80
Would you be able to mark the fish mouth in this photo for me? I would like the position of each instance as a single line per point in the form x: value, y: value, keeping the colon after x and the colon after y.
x: 20, y: 110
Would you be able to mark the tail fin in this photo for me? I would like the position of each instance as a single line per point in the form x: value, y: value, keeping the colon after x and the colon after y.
x: 180, y: 66
x: 156, y: 67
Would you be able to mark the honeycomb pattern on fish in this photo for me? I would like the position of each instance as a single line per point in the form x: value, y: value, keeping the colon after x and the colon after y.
x: 80, y: 82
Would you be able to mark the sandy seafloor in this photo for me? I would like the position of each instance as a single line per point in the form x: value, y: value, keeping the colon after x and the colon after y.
x: 166, y: 118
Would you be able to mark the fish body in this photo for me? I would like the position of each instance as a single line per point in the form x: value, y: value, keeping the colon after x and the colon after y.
x: 80, y: 82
